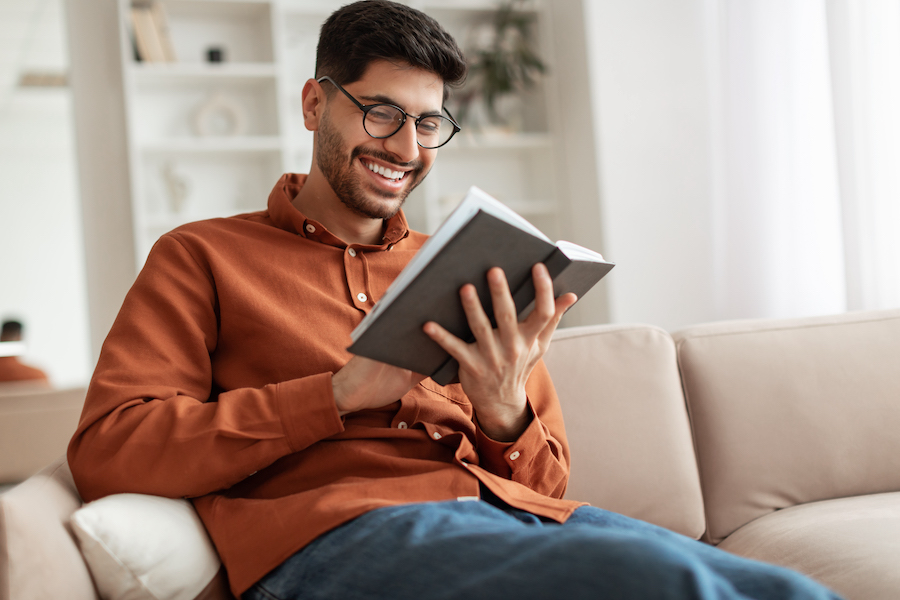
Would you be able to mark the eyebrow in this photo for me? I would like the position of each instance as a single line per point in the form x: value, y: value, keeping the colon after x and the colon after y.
x: 380, y: 99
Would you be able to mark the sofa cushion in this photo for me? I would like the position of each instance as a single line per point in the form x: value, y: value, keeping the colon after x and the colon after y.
x: 140, y: 546
x: 627, y: 424
x: 38, y: 554
x: 850, y: 544
x: 792, y: 411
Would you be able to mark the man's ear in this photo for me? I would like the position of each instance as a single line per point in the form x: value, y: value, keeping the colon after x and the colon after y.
x: 313, y: 104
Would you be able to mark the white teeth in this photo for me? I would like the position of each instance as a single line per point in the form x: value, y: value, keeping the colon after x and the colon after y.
x: 386, y: 173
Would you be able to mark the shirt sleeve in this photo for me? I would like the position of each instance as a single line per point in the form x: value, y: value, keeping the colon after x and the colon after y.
x: 149, y: 424
x: 539, y: 458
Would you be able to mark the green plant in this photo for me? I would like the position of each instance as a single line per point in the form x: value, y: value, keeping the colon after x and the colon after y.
x: 507, y: 63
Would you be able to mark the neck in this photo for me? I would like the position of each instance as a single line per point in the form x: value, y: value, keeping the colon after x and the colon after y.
x: 318, y: 201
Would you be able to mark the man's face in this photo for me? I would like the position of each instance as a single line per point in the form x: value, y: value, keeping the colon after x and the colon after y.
x: 350, y: 159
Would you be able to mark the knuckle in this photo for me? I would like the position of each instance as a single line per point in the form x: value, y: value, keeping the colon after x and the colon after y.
x: 508, y: 319
x: 545, y: 312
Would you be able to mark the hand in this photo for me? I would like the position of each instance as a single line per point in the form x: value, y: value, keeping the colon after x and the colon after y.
x: 365, y: 383
x: 494, y: 368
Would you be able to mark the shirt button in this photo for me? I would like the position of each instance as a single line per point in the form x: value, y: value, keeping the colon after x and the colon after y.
x: 402, y: 425
x: 514, y: 455
x: 361, y: 297
x: 352, y: 252
x: 436, y: 435
x: 310, y: 228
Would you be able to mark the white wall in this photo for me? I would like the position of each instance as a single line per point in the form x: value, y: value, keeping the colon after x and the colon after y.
x: 650, y: 90
x: 41, y: 259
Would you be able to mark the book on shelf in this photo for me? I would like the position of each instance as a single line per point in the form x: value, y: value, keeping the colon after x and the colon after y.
x: 151, y: 32
x: 479, y: 234
x: 161, y: 23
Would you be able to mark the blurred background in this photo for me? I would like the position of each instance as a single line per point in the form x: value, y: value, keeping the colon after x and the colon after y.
x: 735, y: 158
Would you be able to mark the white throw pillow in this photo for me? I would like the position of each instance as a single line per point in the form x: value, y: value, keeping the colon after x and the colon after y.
x: 145, y: 547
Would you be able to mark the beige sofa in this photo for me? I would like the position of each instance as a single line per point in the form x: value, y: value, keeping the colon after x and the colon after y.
x: 778, y: 440
x: 36, y: 424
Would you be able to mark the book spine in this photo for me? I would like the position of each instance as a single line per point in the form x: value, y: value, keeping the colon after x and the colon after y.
x: 161, y: 24
x: 145, y: 34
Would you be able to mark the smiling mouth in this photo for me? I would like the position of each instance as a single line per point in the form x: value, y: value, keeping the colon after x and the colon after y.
x: 388, y: 174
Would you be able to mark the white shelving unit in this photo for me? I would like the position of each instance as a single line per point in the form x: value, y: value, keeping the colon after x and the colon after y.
x: 550, y: 171
x: 204, y: 139
x: 210, y: 139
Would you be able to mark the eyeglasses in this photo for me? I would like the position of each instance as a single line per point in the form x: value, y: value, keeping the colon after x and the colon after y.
x: 384, y: 120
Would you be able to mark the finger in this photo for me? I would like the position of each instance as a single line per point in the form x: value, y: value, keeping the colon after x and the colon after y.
x: 544, y: 303
x: 504, y: 307
x: 478, y: 320
x: 454, y: 346
x: 562, y: 304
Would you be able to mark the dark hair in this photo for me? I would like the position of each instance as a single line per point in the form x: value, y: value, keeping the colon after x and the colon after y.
x: 362, y: 32
x: 10, y: 329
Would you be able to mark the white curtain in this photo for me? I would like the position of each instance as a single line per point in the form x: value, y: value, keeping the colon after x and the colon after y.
x: 864, y: 38
x: 806, y: 106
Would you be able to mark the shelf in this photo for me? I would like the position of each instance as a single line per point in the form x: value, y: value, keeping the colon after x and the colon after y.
x: 209, y: 139
x: 12, y: 348
x: 210, y: 145
x: 229, y: 73
x: 241, y: 29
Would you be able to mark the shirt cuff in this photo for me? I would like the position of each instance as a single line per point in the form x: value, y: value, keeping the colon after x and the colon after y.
x: 506, y: 458
x: 308, y: 412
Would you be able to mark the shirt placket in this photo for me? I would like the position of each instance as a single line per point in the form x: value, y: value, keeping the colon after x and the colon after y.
x: 357, y: 278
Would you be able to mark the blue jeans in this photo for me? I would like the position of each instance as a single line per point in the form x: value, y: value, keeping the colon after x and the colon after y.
x: 476, y: 550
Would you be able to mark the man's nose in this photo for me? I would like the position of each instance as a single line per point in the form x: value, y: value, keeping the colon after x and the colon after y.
x: 403, y: 144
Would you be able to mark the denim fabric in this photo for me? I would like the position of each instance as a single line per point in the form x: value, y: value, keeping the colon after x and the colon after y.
x: 475, y: 550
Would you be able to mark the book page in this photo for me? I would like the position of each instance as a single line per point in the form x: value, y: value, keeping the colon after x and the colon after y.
x: 576, y: 252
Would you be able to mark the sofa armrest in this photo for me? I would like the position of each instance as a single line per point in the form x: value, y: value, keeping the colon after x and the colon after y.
x: 38, y: 554
x: 36, y: 425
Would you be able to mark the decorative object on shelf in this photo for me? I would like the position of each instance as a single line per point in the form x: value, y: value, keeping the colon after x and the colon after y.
x: 503, y: 65
x: 220, y: 116
x: 177, y: 186
x: 215, y: 54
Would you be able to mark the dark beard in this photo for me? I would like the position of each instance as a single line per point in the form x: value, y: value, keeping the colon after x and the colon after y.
x: 329, y: 153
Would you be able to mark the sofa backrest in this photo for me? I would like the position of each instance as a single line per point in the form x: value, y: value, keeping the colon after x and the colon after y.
x: 786, y: 412
x: 627, y: 424
x: 39, y: 558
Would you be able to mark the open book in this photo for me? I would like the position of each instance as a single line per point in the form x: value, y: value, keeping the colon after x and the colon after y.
x: 481, y: 233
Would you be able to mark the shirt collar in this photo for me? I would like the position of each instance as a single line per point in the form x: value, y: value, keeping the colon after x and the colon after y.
x: 286, y: 216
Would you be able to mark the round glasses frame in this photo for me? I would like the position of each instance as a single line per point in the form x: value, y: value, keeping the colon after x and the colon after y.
x: 366, y: 108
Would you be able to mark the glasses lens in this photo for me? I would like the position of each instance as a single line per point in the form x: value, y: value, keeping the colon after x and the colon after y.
x: 383, y: 120
x: 434, y: 131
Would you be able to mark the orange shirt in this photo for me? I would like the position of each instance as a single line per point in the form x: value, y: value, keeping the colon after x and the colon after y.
x: 215, y: 384
x: 13, y: 370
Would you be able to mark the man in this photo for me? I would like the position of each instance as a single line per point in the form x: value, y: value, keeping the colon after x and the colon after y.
x: 225, y: 379
x: 12, y: 370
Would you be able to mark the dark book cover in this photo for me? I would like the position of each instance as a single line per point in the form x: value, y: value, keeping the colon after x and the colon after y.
x: 485, y: 241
